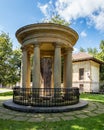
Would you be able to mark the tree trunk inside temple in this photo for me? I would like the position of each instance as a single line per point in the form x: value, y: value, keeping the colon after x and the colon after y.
x: 46, y: 73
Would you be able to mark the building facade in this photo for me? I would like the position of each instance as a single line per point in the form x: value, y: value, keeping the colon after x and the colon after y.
x: 86, y: 71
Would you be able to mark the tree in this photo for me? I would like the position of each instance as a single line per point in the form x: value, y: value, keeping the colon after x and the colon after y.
x: 100, y: 56
x: 9, y: 61
x: 92, y: 51
x: 82, y: 49
x: 15, y: 64
x: 58, y: 20
x: 102, y: 45
x: 5, y: 56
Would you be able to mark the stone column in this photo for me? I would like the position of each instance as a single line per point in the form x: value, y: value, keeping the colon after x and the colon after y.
x: 24, y: 68
x: 36, y: 67
x: 21, y: 78
x: 68, y: 69
x: 28, y: 71
x: 57, y: 67
x: 64, y: 72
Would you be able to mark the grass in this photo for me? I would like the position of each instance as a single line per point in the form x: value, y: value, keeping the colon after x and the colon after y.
x: 6, y: 94
x: 93, y: 97
x: 90, y: 123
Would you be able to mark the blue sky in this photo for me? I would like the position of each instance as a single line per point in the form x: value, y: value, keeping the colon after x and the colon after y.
x: 85, y: 16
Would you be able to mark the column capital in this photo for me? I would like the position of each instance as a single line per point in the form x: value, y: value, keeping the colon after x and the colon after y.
x: 36, y: 44
x: 57, y: 45
x: 69, y: 49
x: 23, y: 48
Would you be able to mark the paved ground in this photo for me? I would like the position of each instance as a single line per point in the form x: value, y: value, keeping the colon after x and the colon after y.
x: 93, y: 109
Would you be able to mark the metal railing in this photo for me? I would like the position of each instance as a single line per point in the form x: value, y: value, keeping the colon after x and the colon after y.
x: 45, y: 97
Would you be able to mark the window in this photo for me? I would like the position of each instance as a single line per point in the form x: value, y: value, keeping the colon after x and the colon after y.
x: 81, y: 87
x: 81, y: 73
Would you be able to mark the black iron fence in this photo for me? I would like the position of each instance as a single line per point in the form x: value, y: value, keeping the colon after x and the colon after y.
x: 45, y: 97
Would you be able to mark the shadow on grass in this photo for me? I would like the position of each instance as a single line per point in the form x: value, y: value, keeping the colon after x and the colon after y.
x: 93, y: 123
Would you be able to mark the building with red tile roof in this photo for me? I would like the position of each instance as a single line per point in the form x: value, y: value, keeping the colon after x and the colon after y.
x: 86, y: 70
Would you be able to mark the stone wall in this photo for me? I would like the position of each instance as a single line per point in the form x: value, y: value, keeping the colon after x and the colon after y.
x: 91, y: 76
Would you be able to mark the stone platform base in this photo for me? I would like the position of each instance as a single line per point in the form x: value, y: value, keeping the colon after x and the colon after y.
x: 11, y: 105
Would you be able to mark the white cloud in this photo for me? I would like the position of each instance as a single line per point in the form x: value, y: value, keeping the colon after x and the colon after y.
x: 83, y: 34
x: 47, y: 9
x: 74, y: 9
x: 78, y: 8
x: 99, y: 21
x: 2, y: 28
x: 43, y: 8
x: 75, y: 50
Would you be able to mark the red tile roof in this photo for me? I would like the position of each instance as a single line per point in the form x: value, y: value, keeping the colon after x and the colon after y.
x: 82, y: 56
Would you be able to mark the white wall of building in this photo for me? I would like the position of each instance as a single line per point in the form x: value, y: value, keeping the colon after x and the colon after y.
x: 95, y: 76
x: 91, y: 76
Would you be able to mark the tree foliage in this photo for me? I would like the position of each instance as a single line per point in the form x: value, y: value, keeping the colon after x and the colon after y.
x: 100, y: 56
x: 92, y: 51
x: 15, y: 64
x: 9, y: 61
x: 58, y: 20
x: 82, y: 49
x: 5, y: 56
x: 102, y: 45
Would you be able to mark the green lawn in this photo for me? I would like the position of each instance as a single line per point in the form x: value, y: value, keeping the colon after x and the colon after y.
x: 94, y: 123
x: 93, y: 97
x: 90, y: 123
x: 6, y: 94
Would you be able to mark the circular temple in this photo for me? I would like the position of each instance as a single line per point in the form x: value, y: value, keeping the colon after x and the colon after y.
x: 46, y: 69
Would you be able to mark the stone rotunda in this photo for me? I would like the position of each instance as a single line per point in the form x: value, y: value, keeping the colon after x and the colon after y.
x: 44, y: 47
x: 47, y: 43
